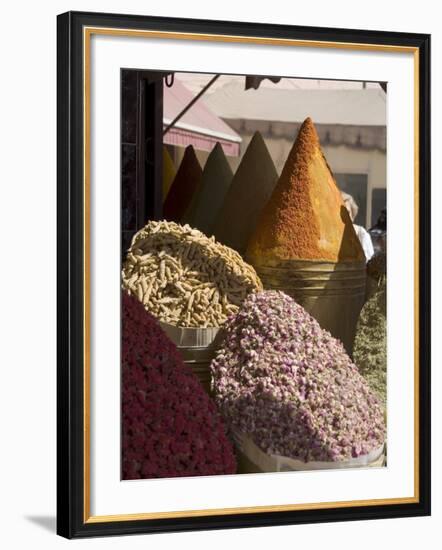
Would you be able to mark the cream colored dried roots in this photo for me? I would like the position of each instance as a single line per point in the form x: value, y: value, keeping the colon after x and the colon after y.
x: 185, y: 278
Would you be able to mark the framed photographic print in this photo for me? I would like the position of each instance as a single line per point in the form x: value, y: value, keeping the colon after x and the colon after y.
x: 237, y: 344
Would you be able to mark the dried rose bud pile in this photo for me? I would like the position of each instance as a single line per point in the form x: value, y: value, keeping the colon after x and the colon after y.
x: 170, y: 426
x: 185, y: 278
x: 290, y: 385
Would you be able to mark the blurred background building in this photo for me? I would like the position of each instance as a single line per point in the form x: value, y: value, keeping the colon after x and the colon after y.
x: 350, y: 118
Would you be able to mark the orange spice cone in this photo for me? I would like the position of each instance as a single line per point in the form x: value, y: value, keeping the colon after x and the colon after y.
x: 305, y: 244
x: 183, y: 186
x: 305, y: 217
x: 248, y: 193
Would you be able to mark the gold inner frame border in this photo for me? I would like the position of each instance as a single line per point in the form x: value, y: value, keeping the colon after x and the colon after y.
x: 87, y: 34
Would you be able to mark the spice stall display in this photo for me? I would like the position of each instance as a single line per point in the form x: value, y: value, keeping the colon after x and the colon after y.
x: 248, y: 193
x: 370, y: 350
x: 169, y: 172
x: 210, y: 193
x: 183, y: 187
x: 290, y: 387
x: 242, y: 293
x: 170, y: 427
x: 305, y: 243
x: 190, y: 283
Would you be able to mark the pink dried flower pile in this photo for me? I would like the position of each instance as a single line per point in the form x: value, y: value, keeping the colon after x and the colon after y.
x: 290, y: 385
x: 170, y: 426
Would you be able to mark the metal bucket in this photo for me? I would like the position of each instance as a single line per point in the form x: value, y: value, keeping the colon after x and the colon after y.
x: 333, y: 293
x: 197, y: 347
x: 251, y: 459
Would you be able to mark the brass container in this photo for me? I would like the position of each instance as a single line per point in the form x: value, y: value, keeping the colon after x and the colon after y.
x: 197, y: 347
x: 333, y: 293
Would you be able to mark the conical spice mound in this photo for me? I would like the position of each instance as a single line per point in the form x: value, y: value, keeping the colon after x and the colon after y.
x: 183, y: 187
x: 169, y: 172
x: 305, y: 218
x: 209, y: 197
x: 249, y: 192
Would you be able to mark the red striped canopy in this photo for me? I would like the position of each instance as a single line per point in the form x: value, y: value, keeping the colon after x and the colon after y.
x: 199, y: 127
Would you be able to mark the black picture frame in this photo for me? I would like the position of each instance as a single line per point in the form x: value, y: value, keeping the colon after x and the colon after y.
x: 71, y: 519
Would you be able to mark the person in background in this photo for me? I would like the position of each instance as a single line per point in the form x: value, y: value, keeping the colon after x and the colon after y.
x: 378, y: 232
x: 361, y: 232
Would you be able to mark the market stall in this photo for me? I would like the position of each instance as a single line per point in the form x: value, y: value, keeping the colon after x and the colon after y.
x: 255, y: 281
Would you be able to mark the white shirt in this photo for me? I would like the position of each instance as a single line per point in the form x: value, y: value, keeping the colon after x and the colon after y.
x: 365, y: 241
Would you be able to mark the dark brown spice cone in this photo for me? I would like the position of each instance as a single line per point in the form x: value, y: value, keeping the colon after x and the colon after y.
x: 209, y: 196
x: 183, y: 187
x: 249, y: 192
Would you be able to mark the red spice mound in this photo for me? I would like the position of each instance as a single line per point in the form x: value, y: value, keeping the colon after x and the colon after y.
x: 183, y: 187
x: 170, y: 426
x: 305, y: 217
